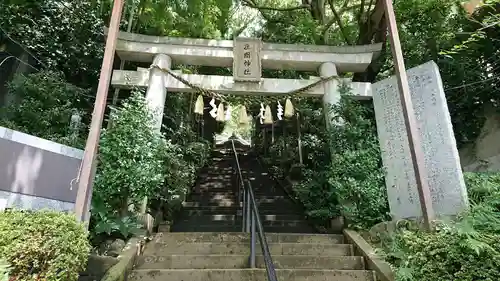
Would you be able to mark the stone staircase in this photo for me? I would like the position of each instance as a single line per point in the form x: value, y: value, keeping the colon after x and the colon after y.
x: 213, y: 206
x: 206, y: 243
x: 224, y: 256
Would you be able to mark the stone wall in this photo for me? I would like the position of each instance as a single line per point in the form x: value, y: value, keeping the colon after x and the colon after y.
x: 484, y: 154
x: 36, y: 173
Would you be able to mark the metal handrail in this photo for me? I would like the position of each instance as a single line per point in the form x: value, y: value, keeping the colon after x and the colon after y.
x: 252, y: 222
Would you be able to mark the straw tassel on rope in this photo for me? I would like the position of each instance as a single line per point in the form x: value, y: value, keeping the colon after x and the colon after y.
x: 199, y: 105
x: 289, y: 110
x: 220, y: 113
x: 268, y: 115
x: 228, y: 113
x: 243, y: 118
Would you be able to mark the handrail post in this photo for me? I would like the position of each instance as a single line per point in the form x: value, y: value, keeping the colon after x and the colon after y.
x: 248, y: 211
x: 252, y: 240
x: 243, y: 211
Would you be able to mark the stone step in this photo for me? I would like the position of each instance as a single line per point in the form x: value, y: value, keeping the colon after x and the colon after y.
x: 214, y: 185
x: 191, y: 204
x: 221, y: 197
x: 220, y: 182
x: 238, y: 237
x: 219, y: 170
x: 249, y: 275
x: 208, y: 221
x: 182, y: 228
x: 208, y: 196
x: 232, y: 248
x: 223, y: 217
x: 223, y: 186
x: 231, y: 210
x: 241, y: 261
x: 196, y: 195
x: 236, y: 228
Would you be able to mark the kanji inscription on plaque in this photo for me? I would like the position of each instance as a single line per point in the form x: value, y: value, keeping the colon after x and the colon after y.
x: 246, y: 59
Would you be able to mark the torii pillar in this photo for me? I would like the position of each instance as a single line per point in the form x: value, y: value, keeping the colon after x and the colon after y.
x: 155, y: 97
x: 157, y: 88
x: 331, y: 88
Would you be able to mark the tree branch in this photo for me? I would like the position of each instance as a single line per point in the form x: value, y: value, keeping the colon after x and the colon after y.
x: 344, y: 7
x: 252, y: 4
x: 326, y: 28
x: 336, y: 17
x: 238, y: 31
x: 369, y: 6
x: 361, y: 10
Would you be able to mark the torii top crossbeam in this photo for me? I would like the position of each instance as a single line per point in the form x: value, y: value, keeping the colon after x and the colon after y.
x: 143, y: 48
x: 165, y: 51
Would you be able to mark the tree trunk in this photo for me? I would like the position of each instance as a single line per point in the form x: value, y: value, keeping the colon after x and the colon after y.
x: 372, y: 31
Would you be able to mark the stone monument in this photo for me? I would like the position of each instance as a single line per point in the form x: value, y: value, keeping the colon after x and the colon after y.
x: 442, y: 162
x: 36, y: 173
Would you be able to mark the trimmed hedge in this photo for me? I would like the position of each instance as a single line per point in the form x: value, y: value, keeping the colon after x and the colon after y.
x: 43, y: 245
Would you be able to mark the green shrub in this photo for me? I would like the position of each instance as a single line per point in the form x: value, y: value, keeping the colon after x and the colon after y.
x: 131, y: 155
x: 356, y: 174
x: 181, y: 166
x: 482, y: 186
x: 318, y: 197
x: 467, y: 249
x: 44, y: 245
x: 131, y: 167
x: 452, y: 253
x: 352, y: 182
x: 136, y: 161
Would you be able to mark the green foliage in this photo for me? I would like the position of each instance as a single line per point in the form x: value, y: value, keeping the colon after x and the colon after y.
x: 44, y: 245
x: 4, y: 270
x: 42, y: 105
x: 352, y: 184
x: 182, y: 163
x: 136, y: 161
x: 449, y: 254
x: 467, y: 249
x: 185, y: 153
x: 482, y: 186
x: 355, y: 174
x: 106, y: 223
x: 426, y: 27
x: 195, y: 18
x: 317, y: 195
x: 64, y: 36
x: 342, y: 172
x: 464, y: 49
x: 131, y: 158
